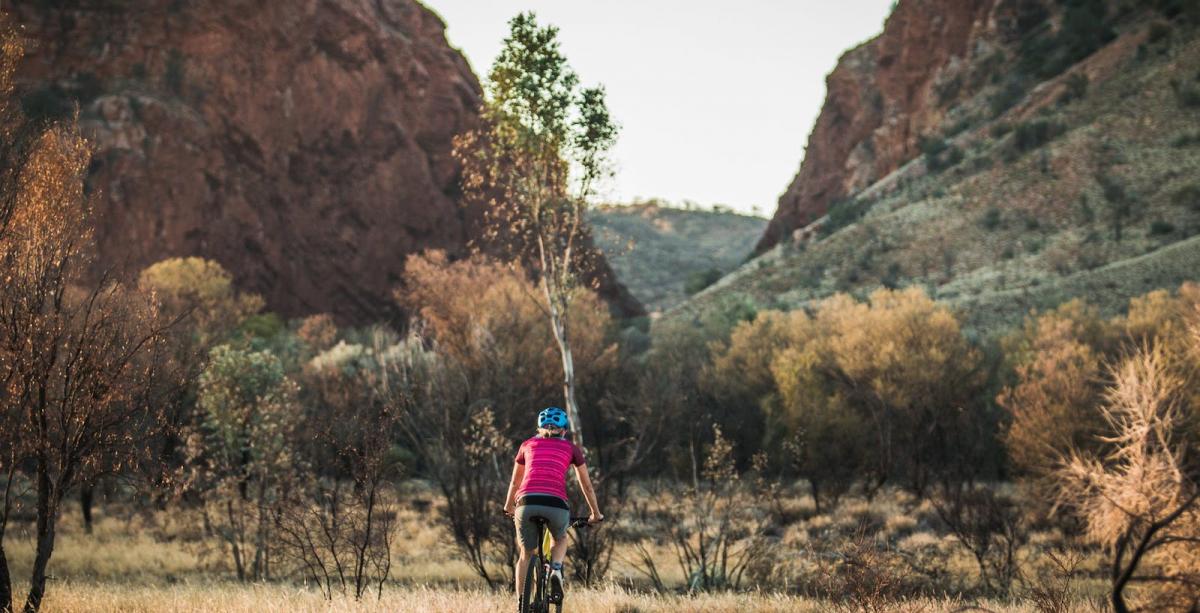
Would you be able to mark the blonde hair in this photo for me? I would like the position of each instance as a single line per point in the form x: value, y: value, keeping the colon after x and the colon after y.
x: 548, y: 432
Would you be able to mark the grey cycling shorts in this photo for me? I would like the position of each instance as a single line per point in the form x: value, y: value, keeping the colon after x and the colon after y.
x: 557, y: 520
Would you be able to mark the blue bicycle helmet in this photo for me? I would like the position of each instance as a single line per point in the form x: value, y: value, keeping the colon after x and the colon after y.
x: 553, y: 417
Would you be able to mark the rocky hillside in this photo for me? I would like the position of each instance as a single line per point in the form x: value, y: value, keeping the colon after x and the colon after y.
x: 1003, y: 154
x: 304, y: 145
x: 664, y: 253
x: 885, y: 93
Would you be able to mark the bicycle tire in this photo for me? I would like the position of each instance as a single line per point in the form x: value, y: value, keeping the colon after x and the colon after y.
x: 526, y: 602
x: 542, y: 599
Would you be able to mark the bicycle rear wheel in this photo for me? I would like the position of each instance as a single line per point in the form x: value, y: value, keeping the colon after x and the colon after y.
x: 527, y: 593
x: 541, y: 600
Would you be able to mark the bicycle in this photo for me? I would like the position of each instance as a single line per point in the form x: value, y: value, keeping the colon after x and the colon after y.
x: 536, y: 597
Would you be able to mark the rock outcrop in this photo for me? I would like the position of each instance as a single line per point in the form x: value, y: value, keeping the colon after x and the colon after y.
x: 305, y: 145
x: 885, y: 94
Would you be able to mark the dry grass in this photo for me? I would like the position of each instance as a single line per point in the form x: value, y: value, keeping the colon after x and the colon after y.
x: 106, y: 598
x: 140, y: 563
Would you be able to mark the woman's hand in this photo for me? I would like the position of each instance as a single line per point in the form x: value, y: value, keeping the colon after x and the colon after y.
x: 595, y: 518
x: 509, y: 508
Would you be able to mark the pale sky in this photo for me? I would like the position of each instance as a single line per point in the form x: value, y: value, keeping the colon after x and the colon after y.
x: 715, y: 99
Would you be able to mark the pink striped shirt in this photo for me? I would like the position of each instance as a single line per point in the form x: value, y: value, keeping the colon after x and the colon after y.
x: 546, y: 461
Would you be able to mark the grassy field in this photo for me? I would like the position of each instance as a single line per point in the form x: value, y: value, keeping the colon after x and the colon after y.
x: 109, y: 598
x: 158, y: 562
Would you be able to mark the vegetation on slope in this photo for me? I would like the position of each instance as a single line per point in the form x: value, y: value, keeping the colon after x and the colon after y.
x: 664, y: 254
x: 1085, y: 184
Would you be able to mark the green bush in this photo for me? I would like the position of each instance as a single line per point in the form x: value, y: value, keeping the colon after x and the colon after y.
x: 1009, y: 94
x: 1187, y: 139
x: 1188, y: 196
x: 697, y: 281
x: 1084, y: 29
x: 843, y: 213
x: 991, y: 219
x: 263, y: 326
x: 1120, y: 205
x: 1034, y: 133
x: 1187, y: 93
x: 891, y: 278
x: 1187, y: 11
x: 1158, y: 227
x: 957, y: 127
x: 1159, y: 32
x: 175, y: 74
x: 939, y: 155
x: 1076, y: 88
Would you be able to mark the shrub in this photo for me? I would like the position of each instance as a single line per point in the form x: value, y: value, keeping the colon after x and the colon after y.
x: 1120, y: 205
x: 1138, y: 496
x: 1057, y: 359
x: 1009, y: 94
x: 713, y: 528
x: 1030, y: 135
x: 174, y: 75
x: 1187, y: 196
x: 957, y: 127
x: 843, y: 213
x: 1187, y: 93
x: 483, y: 314
x: 701, y: 279
x: 990, y: 526
x: 928, y: 368
x: 1181, y: 10
x: 939, y: 155
x: 1159, y: 31
x: 991, y: 219
x: 1187, y: 139
x: 202, y: 292
x: 1000, y: 128
x: 318, y: 332
x: 1083, y: 31
x: 1159, y: 227
x: 1076, y: 88
x: 891, y: 278
x: 238, y: 457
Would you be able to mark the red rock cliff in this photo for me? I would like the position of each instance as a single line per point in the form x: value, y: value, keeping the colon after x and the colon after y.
x: 304, y: 144
x: 885, y: 94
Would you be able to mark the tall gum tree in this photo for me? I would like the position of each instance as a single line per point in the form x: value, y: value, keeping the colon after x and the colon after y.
x: 533, y: 164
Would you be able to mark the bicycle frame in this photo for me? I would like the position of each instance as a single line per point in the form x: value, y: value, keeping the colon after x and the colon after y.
x: 535, y: 597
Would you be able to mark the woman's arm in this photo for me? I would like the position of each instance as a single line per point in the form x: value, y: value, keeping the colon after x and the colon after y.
x: 510, y: 502
x: 589, y: 493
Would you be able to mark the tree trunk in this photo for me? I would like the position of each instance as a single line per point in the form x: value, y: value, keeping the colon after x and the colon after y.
x: 6, y: 588
x: 6, y: 595
x: 558, y: 324
x: 569, y: 393
x: 234, y: 540
x: 47, y: 514
x: 86, y: 497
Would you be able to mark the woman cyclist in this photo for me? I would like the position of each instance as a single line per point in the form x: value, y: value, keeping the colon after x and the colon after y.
x: 539, y: 489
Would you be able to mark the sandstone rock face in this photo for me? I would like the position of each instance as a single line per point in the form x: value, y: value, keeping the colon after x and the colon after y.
x: 305, y: 145
x: 888, y: 92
